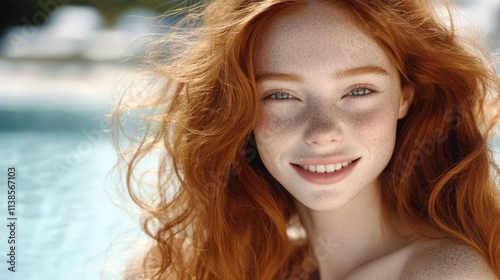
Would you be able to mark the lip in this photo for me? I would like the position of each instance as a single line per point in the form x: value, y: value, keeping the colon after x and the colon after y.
x: 324, y: 178
x: 325, y: 161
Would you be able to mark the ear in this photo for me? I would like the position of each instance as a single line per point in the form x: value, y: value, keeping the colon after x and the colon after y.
x: 407, y: 93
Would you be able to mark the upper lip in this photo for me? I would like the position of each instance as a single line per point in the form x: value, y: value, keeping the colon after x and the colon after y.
x: 325, y: 161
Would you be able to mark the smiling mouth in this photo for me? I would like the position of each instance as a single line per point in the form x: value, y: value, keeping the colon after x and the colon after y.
x: 327, y: 168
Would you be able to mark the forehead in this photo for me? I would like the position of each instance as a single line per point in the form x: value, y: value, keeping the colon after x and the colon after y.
x: 318, y: 35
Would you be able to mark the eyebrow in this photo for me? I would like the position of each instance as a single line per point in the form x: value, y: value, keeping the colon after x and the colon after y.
x: 364, y: 70
x: 278, y: 77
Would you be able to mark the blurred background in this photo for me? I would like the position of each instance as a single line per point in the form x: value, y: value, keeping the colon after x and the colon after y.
x: 60, y: 62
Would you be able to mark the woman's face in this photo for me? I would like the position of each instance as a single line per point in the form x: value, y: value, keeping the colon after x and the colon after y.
x: 330, y: 101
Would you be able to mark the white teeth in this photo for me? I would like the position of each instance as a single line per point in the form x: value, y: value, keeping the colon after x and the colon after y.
x: 330, y: 168
x: 325, y: 168
x: 338, y: 166
x: 320, y: 169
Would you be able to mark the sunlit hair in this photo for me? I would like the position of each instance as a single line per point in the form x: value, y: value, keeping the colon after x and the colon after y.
x: 214, y: 211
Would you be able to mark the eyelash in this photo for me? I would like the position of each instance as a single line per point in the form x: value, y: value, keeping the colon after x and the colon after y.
x: 355, y: 88
x: 358, y: 87
x: 276, y: 92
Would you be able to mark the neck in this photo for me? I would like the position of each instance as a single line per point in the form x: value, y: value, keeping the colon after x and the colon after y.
x: 346, y: 238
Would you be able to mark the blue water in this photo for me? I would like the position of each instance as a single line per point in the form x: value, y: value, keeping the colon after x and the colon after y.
x: 67, y: 226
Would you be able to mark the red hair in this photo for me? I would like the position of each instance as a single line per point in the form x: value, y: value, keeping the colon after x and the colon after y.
x: 216, y: 213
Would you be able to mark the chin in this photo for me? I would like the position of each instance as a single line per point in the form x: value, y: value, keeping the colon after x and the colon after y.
x: 322, y: 203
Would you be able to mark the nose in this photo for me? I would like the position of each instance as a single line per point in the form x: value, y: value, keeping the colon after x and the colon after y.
x: 323, y: 127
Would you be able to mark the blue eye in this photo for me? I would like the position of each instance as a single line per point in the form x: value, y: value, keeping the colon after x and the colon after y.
x: 361, y: 91
x: 279, y: 95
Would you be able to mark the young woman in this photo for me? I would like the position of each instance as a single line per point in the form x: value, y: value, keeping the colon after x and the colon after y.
x: 320, y: 140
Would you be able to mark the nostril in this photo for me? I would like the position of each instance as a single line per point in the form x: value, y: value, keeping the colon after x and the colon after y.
x: 321, y: 133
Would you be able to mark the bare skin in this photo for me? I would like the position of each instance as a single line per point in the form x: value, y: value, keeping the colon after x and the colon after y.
x: 310, y: 116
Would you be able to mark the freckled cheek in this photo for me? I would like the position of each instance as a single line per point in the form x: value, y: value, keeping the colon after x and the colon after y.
x: 374, y: 126
x: 273, y: 130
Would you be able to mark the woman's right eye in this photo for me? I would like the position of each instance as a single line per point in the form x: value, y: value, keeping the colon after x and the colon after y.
x: 279, y: 95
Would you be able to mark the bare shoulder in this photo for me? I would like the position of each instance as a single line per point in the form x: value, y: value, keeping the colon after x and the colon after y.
x: 443, y: 259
